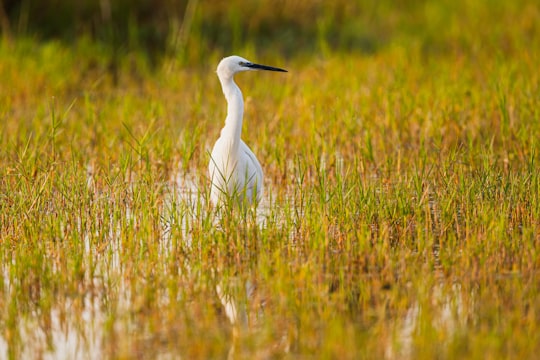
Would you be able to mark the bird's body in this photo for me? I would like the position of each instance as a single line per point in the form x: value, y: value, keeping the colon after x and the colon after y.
x: 234, y: 170
x: 235, y: 173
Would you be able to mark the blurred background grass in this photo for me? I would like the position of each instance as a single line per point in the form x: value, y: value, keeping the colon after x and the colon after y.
x: 195, y: 29
x: 462, y: 63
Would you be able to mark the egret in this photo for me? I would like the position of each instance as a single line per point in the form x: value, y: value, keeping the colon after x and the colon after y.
x: 234, y: 170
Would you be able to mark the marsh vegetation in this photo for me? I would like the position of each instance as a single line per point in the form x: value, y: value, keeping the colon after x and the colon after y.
x: 401, y: 213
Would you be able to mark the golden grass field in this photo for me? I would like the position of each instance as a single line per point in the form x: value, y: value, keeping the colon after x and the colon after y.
x: 401, y: 216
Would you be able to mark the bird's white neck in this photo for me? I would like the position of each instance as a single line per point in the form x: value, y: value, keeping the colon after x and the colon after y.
x: 235, y: 112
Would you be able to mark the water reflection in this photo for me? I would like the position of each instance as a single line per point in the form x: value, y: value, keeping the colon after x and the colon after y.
x: 72, y: 329
x: 449, y: 310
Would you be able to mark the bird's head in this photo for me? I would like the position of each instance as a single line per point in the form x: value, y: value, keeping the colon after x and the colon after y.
x: 233, y: 64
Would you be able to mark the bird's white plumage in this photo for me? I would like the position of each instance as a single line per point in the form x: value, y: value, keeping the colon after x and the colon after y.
x: 234, y: 170
x: 238, y: 176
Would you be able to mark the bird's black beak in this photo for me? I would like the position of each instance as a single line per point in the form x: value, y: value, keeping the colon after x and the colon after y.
x: 262, y: 67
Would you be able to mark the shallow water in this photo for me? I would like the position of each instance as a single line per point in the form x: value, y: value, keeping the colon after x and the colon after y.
x: 81, y: 328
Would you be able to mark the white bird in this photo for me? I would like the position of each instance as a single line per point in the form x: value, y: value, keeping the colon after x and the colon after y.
x: 235, y: 172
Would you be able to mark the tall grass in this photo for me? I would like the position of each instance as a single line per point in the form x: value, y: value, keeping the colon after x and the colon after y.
x: 401, y: 217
